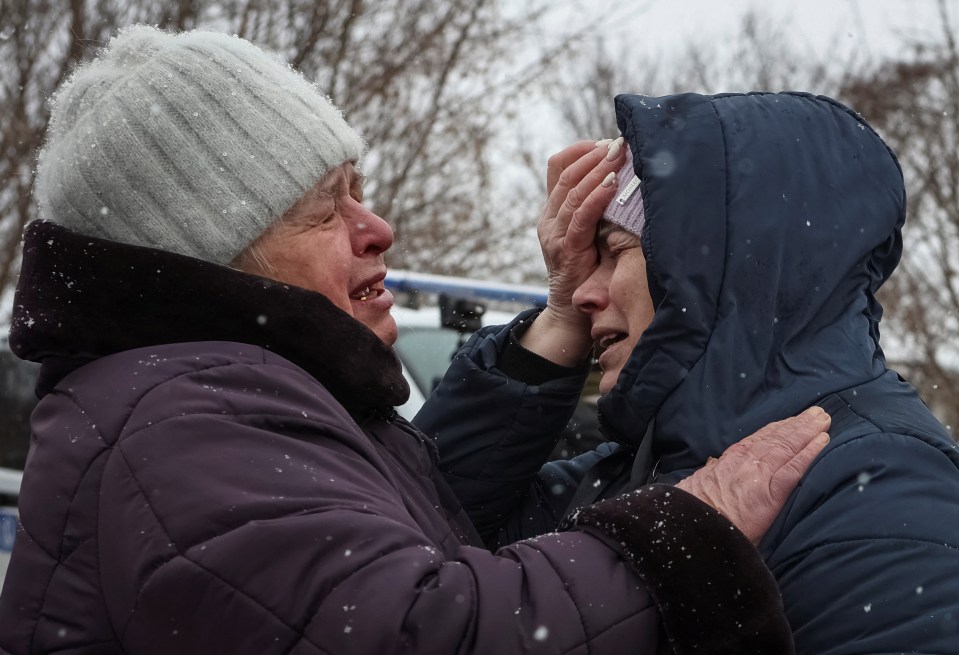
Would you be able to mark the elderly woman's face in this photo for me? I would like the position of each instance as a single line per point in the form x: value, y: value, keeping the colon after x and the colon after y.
x: 330, y: 243
x: 616, y: 299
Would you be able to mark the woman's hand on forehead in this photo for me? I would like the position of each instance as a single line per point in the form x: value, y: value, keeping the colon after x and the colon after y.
x: 580, y: 183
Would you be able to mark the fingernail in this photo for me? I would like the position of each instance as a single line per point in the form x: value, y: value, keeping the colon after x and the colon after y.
x: 609, y: 180
x: 813, y: 411
x: 825, y: 417
x: 614, y: 149
x: 822, y: 438
x: 603, y: 142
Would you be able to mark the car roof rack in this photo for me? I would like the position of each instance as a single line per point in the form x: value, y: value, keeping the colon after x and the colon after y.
x: 415, y: 283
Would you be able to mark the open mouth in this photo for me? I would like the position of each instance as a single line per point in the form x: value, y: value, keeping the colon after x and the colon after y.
x: 368, y: 292
x: 607, y: 341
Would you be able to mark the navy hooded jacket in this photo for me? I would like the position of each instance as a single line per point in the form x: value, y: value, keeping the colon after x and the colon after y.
x: 771, y: 222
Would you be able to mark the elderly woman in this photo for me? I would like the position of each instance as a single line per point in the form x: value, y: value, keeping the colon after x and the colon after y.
x: 216, y: 464
x: 732, y: 281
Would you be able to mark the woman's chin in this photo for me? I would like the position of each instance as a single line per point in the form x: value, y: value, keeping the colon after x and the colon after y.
x: 385, y: 329
x: 608, y: 381
x: 375, y: 314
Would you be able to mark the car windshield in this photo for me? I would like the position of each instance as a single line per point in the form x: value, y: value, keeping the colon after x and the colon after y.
x: 426, y: 352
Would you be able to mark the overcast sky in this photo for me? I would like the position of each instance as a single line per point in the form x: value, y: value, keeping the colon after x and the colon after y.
x: 876, y: 26
x: 662, y: 29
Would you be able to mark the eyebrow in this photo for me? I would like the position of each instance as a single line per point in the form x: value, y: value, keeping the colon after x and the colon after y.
x: 605, y: 229
x: 356, y: 181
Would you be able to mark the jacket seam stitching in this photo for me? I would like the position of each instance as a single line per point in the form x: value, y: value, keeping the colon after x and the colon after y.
x: 85, y: 645
x: 568, y: 586
x: 499, y: 446
x: 871, y: 540
x: 722, y: 284
x: 300, y: 636
x: 166, y: 533
x: 331, y: 427
x: 56, y: 558
x: 183, y: 556
x: 878, y: 432
x: 176, y: 377
x: 587, y: 638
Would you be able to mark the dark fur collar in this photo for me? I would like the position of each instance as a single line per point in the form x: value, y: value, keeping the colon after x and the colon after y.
x: 714, y: 592
x: 80, y: 298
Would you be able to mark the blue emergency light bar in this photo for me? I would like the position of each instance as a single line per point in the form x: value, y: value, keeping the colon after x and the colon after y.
x: 409, y: 282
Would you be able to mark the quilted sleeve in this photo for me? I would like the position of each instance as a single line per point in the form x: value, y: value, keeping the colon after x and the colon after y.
x: 867, y: 550
x: 260, y: 518
x: 494, y: 435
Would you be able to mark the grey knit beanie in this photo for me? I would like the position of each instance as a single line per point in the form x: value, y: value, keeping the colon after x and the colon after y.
x: 193, y: 143
x: 626, y: 209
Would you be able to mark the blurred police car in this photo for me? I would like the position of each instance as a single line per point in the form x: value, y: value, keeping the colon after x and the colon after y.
x: 436, y: 314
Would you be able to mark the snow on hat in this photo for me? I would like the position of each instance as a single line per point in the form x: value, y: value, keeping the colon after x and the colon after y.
x: 626, y: 209
x: 193, y: 143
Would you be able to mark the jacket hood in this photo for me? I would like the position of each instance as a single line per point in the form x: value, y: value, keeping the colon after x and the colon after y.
x: 80, y: 298
x: 771, y: 222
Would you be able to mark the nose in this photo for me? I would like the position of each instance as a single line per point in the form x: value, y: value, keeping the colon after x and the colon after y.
x: 369, y: 234
x: 592, y: 296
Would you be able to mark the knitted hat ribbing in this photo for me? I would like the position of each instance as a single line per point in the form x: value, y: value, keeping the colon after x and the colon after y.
x: 626, y: 209
x: 193, y: 143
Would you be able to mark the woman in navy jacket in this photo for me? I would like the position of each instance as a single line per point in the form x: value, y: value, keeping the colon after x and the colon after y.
x: 765, y: 224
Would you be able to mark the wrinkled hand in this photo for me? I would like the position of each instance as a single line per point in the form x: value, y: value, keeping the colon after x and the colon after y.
x: 575, y: 202
x: 751, y: 481
x: 580, y: 182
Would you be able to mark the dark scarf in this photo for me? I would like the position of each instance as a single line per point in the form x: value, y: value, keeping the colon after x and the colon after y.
x: 80, y: 298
